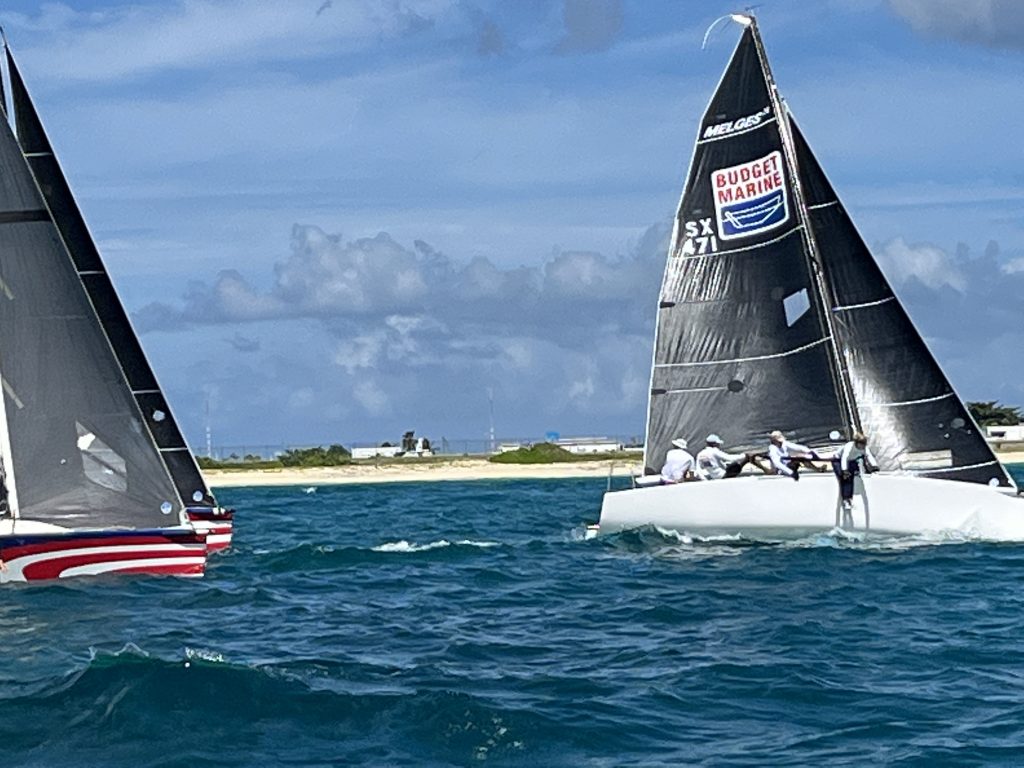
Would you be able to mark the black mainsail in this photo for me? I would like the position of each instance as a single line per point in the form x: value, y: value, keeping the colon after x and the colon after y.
x: 742, y: 346
x: 774, y: 315
x: 158, y: 420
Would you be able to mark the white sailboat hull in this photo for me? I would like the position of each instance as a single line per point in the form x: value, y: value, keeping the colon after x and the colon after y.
x: 775, y: 505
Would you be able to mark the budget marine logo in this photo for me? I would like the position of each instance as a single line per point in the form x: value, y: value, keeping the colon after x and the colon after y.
x: 750, y: 197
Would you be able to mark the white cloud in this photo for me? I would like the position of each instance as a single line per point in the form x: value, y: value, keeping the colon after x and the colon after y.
x: 932, y: 266
x: 131, y: 40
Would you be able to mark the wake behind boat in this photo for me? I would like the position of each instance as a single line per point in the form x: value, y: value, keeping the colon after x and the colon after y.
x: 774, y: 315
x: 96, y: 476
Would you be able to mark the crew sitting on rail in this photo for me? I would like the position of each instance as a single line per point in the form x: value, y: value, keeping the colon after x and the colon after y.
x: 713, y: 463
x: 787, y: 457
x: 679, y: 464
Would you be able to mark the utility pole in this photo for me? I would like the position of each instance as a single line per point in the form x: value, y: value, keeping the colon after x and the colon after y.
x: 490, y: 402
x: 209, y: 433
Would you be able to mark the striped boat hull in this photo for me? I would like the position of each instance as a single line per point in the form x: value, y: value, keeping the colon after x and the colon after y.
x: 36, y: 557
x: 215, y: 522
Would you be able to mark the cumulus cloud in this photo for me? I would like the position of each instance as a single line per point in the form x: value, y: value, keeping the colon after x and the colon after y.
x: 969, y: 308
x: 996, y: 23
x: 406, y: 334
x: 928, y: 264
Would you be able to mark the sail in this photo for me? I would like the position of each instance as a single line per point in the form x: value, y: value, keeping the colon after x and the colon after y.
x: 741, y: 345
x: 80, y: 454
x: 114, y: 320
x: 914, y: 418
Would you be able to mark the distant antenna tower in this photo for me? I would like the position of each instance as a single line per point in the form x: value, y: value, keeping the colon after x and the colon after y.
x: 209, y: 432
x: 490, y: 402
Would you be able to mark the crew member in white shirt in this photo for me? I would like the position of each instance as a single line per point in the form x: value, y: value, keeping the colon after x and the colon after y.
x: 713, y: 463
x: 787, y: 457
x: 679, y: 464
x: 847, y: 467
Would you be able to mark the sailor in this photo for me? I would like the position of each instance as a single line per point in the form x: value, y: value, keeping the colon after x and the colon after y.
x: 679, y: 464
x: 787, y: 457
x: 713, y: 463
x: 847, y: 466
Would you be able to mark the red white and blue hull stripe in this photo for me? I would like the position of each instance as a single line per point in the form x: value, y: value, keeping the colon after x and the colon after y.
x: 215, y: 522
x: 167, y: 551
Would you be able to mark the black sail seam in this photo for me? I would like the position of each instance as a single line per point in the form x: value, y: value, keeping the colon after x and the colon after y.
x: 772, y: 356
x: 19, y: 217
x: 734, y: 134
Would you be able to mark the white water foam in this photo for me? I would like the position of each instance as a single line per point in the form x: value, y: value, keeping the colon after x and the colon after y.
x: 404, y: 546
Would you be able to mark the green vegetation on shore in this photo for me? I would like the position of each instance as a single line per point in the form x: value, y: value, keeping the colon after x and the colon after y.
x: 991, y: 414
x: 549, y: 453
x: 332, y: 456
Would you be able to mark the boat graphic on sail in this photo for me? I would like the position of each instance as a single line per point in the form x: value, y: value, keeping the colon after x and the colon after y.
x: 732, y: 357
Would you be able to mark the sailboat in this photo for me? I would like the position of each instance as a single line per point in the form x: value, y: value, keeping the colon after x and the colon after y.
x: 774, y: 315
x: 96, y: 475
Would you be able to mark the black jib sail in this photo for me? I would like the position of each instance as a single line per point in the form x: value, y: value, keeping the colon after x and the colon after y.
x: 742, y: 346
x: 915, y: 419
x: 774, y: 315
x: 145, y: 389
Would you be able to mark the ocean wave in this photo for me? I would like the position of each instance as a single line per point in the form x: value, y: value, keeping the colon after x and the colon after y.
x: 183, y: 709
x: 404, y: 546
x: 655, y: 539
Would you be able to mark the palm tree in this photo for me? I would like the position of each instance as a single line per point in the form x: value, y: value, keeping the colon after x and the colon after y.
x: 992, y: 414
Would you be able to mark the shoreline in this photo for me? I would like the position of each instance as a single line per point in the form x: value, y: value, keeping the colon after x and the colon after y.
x: 456, y: 470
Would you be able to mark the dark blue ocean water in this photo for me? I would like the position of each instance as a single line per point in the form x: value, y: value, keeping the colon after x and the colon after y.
x: 470, y: 624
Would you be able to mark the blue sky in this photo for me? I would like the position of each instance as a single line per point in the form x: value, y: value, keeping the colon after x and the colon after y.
x: 340, y: 219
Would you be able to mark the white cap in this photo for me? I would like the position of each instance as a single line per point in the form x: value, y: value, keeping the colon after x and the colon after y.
x: 713, y: 438
x: 776, y: 435
x: 679, y: 443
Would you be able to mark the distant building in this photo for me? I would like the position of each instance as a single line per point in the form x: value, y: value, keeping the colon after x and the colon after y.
x: 581, y: 445
x: 508, y: 447
x: 1009, y: 434
x: 385, y: 451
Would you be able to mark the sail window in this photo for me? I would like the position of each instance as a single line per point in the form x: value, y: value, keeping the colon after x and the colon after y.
x: 796, y: 306
x: 100, y: 463
x: 735, y: 385
x: 834, y: 435
x: 957, y: 423
x: 166, y: 507
x: 197, y: 496
x: 159, y: 415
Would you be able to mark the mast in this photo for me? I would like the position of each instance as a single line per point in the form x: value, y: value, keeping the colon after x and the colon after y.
x: 822, y: 292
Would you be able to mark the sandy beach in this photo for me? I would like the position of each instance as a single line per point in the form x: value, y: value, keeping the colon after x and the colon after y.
x: 457, y: 469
